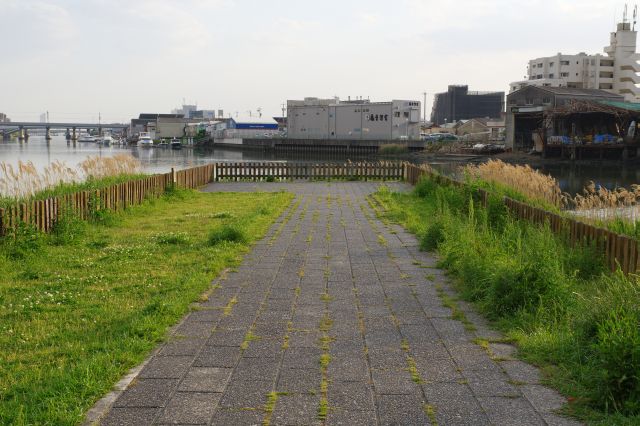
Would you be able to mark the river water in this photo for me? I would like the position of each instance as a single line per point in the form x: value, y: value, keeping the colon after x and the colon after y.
x: 572, y: 177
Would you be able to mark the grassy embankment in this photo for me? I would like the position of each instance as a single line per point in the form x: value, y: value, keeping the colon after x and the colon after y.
x: 565, y: 312
x: 81, y: 306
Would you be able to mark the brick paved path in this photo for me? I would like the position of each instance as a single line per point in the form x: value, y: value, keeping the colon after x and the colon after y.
x: 333, y: 318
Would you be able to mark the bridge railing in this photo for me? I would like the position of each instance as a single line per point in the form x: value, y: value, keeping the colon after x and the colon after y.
x: 43, y: 214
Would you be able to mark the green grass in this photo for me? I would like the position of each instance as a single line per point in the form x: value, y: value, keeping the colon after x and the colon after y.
x: 559, y: 304
x: 77, y: 312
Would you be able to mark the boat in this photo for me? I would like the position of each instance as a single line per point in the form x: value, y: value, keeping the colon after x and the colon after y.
x: 85, y: 137
x: 144, y: 139
x: 106, y: 140
x: 176, y: 143
x: 163, y: 143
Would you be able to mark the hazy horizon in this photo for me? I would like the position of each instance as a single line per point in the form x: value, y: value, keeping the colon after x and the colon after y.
x: 78, y: 59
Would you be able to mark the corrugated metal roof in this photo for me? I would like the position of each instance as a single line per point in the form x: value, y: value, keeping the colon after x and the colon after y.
x: 630, y: 106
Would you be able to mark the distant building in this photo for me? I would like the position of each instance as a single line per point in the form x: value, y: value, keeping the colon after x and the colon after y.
x: 4, y: 118
x: 253, y: 127
x: 360, y: 119
x: 192, y: 112
x: 615, y: 71
x: 148, y: 123
x: 458, y: 103
x: 526, y: 111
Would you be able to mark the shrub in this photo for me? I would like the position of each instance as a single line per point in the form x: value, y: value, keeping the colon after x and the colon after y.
x: 22, y: 241
x: 432, y: 237
x: 67, y: 228
x: 227, y: 233
x: 172, y: 238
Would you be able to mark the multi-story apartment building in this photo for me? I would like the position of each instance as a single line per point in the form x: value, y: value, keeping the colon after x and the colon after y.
x: 360, y: 119
x: 615, y: 71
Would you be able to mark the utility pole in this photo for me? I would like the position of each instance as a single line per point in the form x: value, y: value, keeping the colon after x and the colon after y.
x: 284, y: 108
x: 424, y: 106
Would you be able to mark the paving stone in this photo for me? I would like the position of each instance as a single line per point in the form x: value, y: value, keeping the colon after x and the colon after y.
x: 166, y: 367
x: 510, y: 411
x: 218, y: 356
x: 237, y: 416
x: 502, y: 350
x: 436, y: 369
x: 127, y: 416
x: 521, y: 372
x: 386, y: 358
x: 246, y: 394
x: 205, y: 379
x: 147, y: 393
x: 205, y: 315
x: 351, y: 396
x: 195, y: 329
x: 393, y: 382
x: 299, y: 409
x: 302, y: 339
x: 493, y: 388
x: 337, y: 416
x: 302, y: 358
x: 264, y: 368
x: 182, y: 346
x: 190, y: 408
x: 348, y: 368
x: 227, y: 337
x: 542, y: 398
x: 298, y: 380
x: 263, y: 347
x: 402, y: 410
x: 454, y: 404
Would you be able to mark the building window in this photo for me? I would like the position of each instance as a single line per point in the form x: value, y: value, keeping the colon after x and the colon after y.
x: 564, y: 74
x: 386, y: 117
x: 512, y: 101
x: 550, y: 64
x: 396, y: 114
x: 539, y: 65
x: 551, y: 75
x: 528, y: 101
x: 564, y: 62
x: 406, y: 114
x: 367, y: 117
x: 546, y: 100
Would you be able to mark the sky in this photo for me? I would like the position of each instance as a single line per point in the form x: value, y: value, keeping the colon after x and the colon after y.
x: 78, y: 59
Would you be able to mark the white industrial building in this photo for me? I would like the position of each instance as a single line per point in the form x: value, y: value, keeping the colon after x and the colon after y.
x: 615, y: 71
x: 314, y: 118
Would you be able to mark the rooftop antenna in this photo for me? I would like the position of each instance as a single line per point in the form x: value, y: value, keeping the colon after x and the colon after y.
x: 624, y: 14
x: 259, y: 110
x: 635, y: 14
x: 284, y: 108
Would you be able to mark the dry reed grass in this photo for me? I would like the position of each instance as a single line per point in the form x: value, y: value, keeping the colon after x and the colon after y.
x: 523, y: 179
x: 26, y: 180
x: 594, y: 203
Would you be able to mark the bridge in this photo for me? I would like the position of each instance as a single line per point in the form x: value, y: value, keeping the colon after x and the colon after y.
x: 23, y: 126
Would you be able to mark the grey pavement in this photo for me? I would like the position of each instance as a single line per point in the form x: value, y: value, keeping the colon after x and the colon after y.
x: 334, y: 318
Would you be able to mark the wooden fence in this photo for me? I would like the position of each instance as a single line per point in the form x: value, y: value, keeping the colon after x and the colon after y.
x: 383, y: 170
x: 43, y: 214
x: 619, y: 250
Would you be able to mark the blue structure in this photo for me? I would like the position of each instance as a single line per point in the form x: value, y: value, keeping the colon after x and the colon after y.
x: 252, y: 126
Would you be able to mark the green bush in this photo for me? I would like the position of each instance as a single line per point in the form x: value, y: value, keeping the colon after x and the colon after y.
x: 432, y: 237
x: 227, y: 233
x: 22, y: 241
x: 172, y: 238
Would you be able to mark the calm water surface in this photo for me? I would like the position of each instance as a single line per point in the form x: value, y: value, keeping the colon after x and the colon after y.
x: 572, y: 177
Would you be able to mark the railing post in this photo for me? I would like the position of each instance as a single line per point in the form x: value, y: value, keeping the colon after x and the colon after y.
x: 174, y: 177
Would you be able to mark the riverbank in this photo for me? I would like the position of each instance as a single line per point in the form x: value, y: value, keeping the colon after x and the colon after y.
x: 565, y: 312
x: 83, y: 305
